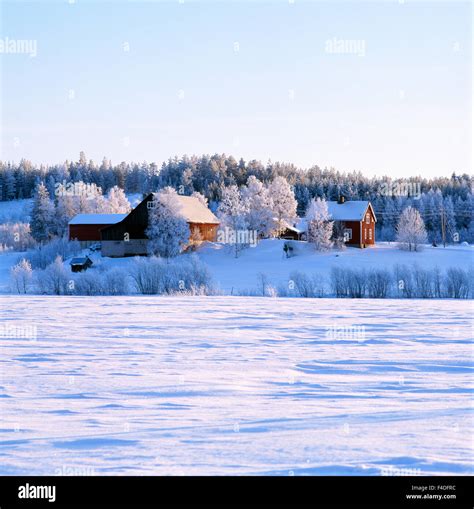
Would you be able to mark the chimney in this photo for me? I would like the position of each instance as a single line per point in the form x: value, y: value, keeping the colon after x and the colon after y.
x: 341, y: 199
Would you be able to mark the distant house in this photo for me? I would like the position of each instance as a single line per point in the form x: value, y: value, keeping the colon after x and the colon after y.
x: 86, y: 227
x: 127, y: 236
x: 80, y: 263
x: 355, y: 220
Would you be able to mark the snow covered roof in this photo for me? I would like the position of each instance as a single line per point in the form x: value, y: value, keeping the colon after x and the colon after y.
x: 97, y: 218
x: 80, y: 260
x: 195, y: 211
x: 301, y: 226
x: 347, y: 211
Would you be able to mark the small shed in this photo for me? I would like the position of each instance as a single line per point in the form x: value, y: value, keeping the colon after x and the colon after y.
x: 297, y: 232
x: 80, y: 263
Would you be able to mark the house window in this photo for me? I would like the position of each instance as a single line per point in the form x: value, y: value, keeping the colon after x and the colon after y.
x: 370, y: 234
x: 347, y: 234
x: 367, y: 218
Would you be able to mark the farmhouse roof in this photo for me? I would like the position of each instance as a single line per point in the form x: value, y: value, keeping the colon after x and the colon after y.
x: 195, y: 211
x: 97, y: 218
x: 348, y: 211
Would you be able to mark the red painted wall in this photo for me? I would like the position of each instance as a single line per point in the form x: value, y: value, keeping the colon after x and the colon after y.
x: 85, y: 231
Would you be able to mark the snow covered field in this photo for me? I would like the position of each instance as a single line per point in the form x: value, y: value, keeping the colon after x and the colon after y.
x: 229, y: 385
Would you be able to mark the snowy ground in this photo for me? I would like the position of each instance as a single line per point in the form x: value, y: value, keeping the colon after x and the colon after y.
x: 229, y: 385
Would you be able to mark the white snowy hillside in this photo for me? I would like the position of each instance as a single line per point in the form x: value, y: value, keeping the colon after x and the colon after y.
x: 240, y: 274
x: 231, y: 385
x: 15, y: 211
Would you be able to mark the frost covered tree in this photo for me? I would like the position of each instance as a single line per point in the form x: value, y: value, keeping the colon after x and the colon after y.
x: 320, y: 227
x: 411, y: 231
x: 168, y: 232
x: 54, y: 280
x: 88, y: 198
x: 200, y: 197
x: 16, y: 236
x: 42, y: 214
x: 234, y: 226
x: 283, y: 204
x: 21, y: 275
x: 258, y: 204
x: 66, y: 209
x: 117, y: 201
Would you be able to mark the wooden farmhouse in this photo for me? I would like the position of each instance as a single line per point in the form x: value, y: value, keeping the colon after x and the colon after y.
x: 125, y: 234
x: 354, y: 219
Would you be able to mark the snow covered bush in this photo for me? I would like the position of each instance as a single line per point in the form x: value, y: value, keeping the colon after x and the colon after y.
x: 319, y: 226
x: 21, y: 275
x: 54, y: 279
x: 193, y: 273
x: 470, y: 278
x: 424, y: 282
x: 348, y: 283
x: 16, y: 236
x: 404, y: 281
x: 146, y: 273
x: 88, y: 283
x: 305, y: 285
x: 339, y: 284
x: 185, y: 274
x: 44, y: 254
x: 168, y: 232
x: 378, y: 283
x: 105, y: 282
x: 437, y: 283
x: 411, y: 233
x: 114, y: 282
x: 357, y: 283
x: 457, y: 283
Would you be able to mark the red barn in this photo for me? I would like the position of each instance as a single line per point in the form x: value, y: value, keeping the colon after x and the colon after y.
x: 128, y: 236
x: 86, y: 227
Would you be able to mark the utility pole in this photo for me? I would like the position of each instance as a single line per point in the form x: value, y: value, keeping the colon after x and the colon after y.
x: 443, y: 225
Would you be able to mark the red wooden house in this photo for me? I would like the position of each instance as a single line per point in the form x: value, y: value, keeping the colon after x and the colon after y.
x: 354, y: 219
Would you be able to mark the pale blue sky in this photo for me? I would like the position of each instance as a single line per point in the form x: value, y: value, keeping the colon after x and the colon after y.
x: 404, y: 108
